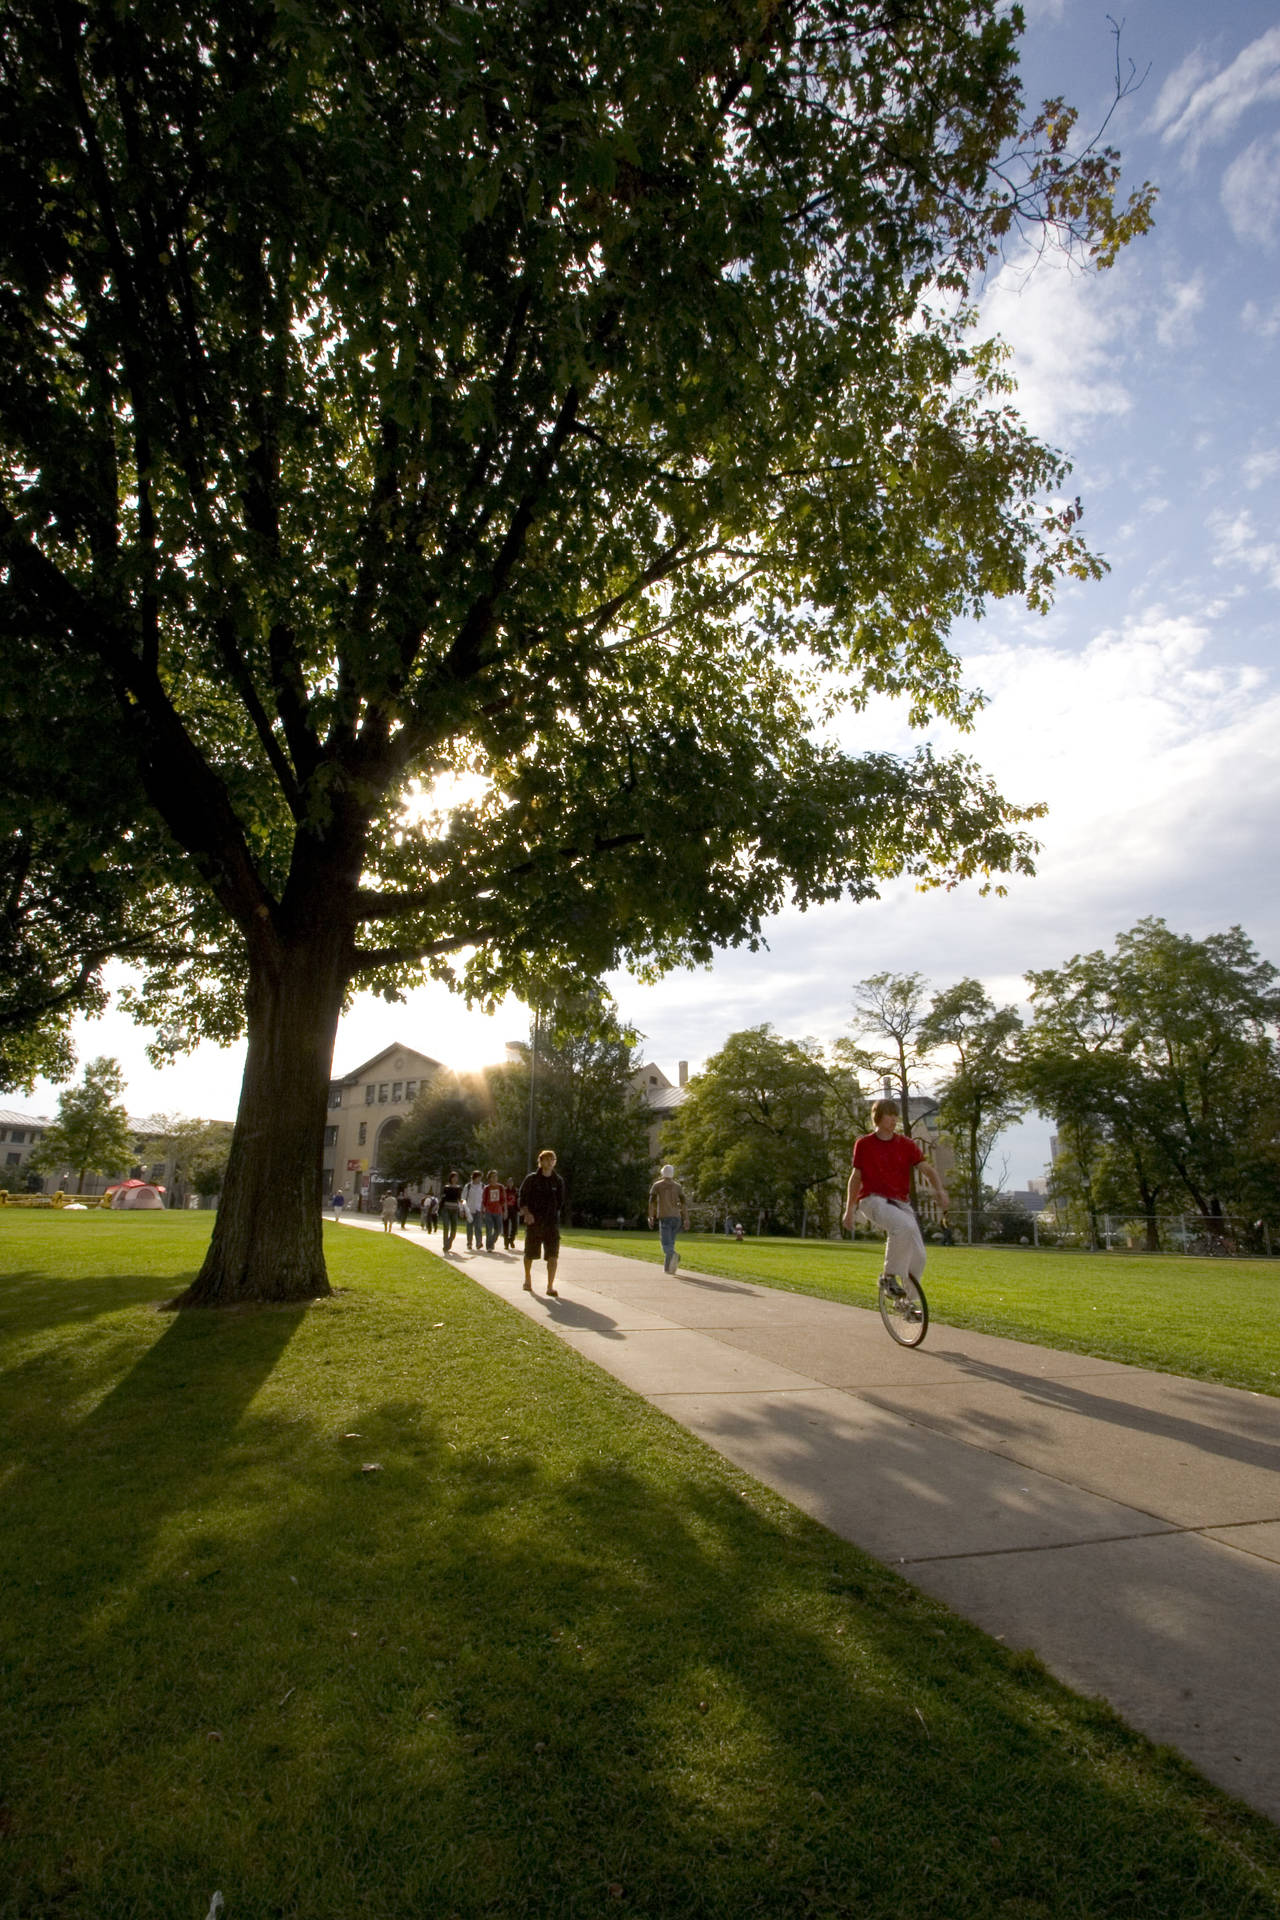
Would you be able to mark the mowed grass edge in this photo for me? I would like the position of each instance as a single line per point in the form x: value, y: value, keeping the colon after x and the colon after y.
x: 1208, y: 1319
x: 393, y: 1605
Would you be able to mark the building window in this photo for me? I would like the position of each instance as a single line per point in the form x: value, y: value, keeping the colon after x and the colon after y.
x: 13, y: 1159
x: 331, y: 1136
x: 410, y: 1089
x: 397, y: 1093
x: 368, y: 1094
x: 364, y: 1133
x: 382, y: 1093
x: 335, y: 1096
x: 17, y: 1136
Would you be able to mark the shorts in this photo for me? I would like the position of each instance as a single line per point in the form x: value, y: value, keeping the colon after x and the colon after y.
x: 542, y: 1240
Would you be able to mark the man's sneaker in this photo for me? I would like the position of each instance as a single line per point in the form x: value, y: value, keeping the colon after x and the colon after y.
x: 889, y: 1281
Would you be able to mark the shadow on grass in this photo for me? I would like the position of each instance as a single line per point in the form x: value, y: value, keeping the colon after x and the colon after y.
x: 31, y: 1302
x: 548, y: 1659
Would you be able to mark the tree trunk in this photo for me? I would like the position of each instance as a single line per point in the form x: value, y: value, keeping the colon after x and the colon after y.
x: 267, y: 1237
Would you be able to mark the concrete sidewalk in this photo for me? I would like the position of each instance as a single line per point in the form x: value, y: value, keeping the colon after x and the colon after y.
x: 1124, y: 1525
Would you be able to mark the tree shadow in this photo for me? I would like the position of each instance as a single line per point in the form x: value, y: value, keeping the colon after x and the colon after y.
x: 457, y: 1650
x: 1203, y: 1435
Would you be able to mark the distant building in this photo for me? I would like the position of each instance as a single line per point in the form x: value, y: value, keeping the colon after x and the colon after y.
x: 366, y: 1108
x: 661, y: 1097
x: 925, y: 1131
x: 21, y: 1133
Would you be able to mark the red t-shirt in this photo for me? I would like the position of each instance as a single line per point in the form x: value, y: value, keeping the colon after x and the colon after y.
x: 495, y: 1199
x: 885, y: 1165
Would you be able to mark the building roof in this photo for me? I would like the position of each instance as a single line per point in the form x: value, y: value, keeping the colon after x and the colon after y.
x: 663, y: 1099
x: 10, y: 1117
x: 358, y: 1073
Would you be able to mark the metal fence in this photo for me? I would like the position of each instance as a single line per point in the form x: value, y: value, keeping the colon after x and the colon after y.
x: 1213, y: 1236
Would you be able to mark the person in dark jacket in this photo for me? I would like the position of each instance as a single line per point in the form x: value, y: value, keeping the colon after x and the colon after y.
x: 542, y: 1199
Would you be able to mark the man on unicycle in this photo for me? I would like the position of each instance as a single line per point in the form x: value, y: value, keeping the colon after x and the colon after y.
x: 880, y: 1189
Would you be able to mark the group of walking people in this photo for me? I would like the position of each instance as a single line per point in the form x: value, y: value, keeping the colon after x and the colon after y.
x: 487, y: 1205
x: 879, y: 1191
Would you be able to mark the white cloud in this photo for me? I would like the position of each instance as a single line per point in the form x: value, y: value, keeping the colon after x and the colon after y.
x: 1177, y: 90
x: 1259, y: 467
x: 1237, y: 543
x: 1180, y: 304
x: 1062, y: 326
x: 1251, y: 192
x: 1261, y: 320
x: 1163, y: 784
x: 1194, y: 110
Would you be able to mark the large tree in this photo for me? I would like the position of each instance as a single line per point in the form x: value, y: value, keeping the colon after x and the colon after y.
x: 766, y: 1126
x: 981, y: 1095
x: 439, y: 1136
x: 583, y: 1104
x: 91, y: 1133
x: 888, y: 1013
x: 1158, y: 1060
x: 396, y: 392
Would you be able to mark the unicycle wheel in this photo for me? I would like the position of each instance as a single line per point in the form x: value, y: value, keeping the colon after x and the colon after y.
x: 904, y: 1309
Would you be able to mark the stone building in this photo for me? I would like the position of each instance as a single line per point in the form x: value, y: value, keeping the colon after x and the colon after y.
x: 661, y: 1098
x: 366, y: 1107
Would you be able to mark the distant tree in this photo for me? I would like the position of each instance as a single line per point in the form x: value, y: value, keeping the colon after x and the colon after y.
x: 888, y: 1011
x: 981, y: 1096
x: 585, y: 1107
x: 440, y: 1132
x: 550, y: 395
x: 1158, y: 1062
x: 767, y: 1124
x: 91, y: 1133
x: 198, y: 1150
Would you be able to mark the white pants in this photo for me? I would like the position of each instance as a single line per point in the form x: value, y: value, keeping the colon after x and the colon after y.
x: 904, y: 1246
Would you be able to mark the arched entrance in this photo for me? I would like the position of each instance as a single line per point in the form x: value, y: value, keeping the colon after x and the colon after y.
x: 379, y: 1178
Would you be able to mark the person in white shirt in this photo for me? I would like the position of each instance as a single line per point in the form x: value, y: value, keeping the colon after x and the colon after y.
x: 473, y: 1206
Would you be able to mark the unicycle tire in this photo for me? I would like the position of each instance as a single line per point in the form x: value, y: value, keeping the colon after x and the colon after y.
x: 905, y: 1312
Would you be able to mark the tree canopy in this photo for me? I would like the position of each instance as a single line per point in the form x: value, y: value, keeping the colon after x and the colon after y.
x: 584, y: 1106
x: 1158, y: 1060
x: 449, y: 470
x: 91, y: 1133
x: 981, y: 1095
x: 767, y: 1125
x: 439, y: 1135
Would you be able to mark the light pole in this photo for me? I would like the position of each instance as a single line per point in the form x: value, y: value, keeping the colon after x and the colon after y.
x: 533, y: 1084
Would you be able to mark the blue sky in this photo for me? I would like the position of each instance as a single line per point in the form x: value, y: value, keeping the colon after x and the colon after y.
x: 1144, y: 709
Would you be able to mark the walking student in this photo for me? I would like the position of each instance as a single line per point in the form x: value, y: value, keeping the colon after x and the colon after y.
x: 668, y: 1206
x: 541, y: 1202
x: 389, y: 1211
x: 494, y: 1202
x: 880, y: 1190
x: 511, y: 1216
x: 473, y: 1207
x: 450, y: 1208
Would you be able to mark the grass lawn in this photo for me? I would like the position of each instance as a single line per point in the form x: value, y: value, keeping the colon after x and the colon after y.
x: 554, y: 1658
x: 1209, y: 1319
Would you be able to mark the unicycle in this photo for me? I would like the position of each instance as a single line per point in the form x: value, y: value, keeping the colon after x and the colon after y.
x: 903, y: 1308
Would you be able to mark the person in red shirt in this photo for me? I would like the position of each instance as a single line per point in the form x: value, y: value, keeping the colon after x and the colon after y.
x: 494, y: 1203
x: 880, y: 1190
